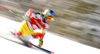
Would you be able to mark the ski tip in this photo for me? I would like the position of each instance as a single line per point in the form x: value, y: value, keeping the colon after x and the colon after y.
x: 51, y: 52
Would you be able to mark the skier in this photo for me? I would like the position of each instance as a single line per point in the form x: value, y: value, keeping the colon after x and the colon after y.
x: 33, y: 21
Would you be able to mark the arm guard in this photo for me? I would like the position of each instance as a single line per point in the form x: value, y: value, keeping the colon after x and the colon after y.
x: 28, y: 14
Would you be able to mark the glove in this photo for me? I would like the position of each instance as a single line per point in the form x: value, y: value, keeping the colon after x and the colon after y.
x: 40, y: 43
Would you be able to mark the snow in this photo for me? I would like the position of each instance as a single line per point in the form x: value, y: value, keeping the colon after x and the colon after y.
x: 52, y: 42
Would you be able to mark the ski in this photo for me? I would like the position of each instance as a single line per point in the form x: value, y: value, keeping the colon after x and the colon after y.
x: 39, y: 48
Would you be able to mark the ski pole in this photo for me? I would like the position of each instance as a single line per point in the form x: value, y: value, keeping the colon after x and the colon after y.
x: 12, y: 12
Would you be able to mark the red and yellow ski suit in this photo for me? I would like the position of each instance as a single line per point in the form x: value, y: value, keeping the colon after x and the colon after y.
x: 35, y: 22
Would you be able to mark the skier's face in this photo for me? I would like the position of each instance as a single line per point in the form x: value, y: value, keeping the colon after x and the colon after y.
x: 47, y: 21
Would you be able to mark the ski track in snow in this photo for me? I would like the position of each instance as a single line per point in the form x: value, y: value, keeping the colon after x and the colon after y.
x: 52, y: 42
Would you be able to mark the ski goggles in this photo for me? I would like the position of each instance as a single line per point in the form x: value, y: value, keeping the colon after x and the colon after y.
x: 48, y: 17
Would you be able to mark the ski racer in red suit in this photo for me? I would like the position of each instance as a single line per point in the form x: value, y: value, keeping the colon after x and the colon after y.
x: 35, y: 20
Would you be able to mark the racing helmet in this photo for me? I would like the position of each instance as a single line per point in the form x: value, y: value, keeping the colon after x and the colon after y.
x: 49, y: 14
